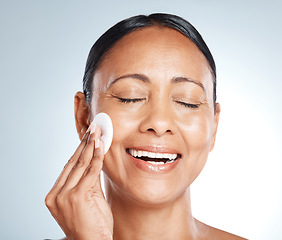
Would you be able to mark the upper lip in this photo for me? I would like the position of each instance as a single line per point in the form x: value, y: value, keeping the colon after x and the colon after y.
x: 156, y: 149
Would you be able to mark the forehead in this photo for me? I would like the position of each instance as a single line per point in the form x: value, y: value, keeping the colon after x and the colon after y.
x: 156, y: 52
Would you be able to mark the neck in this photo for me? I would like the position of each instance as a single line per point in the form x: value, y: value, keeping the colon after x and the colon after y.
x: 133, y: 220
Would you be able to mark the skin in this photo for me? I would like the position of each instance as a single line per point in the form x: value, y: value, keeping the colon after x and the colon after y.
x: 171, y: 85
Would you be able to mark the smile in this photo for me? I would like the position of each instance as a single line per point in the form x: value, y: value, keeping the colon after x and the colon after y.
x: 153, y: 157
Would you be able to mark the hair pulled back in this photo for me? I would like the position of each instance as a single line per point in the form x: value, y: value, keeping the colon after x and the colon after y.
x: 121, y: 29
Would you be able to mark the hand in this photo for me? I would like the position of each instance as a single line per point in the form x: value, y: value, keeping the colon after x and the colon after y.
x: 76, y: 200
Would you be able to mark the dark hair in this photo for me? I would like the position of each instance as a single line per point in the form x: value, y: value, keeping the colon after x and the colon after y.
x: 121, y: 29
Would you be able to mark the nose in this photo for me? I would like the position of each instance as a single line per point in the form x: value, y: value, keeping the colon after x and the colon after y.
x: 158, y: 120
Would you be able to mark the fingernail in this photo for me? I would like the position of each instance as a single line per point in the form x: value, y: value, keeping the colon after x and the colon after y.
x: 92, y: 127
x: 97, y: 143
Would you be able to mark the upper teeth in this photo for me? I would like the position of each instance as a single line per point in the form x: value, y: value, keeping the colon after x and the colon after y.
x: 140, y: 153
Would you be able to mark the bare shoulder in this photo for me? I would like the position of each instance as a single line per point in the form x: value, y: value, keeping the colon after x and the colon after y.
x: 211, y: 233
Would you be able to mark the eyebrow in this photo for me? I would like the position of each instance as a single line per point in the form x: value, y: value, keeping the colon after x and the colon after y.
x: 144, y: 78
x: 137, y: 76
x: 184, y: 79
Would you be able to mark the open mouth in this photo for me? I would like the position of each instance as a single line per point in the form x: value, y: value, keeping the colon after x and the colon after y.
x: 152, y: 157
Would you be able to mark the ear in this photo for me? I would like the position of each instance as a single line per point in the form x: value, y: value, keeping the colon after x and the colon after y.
x: 216, y: 120
x: 81, y: 113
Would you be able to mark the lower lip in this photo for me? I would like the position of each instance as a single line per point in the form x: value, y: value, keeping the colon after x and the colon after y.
x: 153, y: 168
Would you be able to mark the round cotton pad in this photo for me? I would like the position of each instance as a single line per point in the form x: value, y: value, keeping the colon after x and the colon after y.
x: 104, y: 122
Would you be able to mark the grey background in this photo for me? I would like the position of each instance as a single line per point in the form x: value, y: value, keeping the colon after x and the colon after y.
x: 43, y: 49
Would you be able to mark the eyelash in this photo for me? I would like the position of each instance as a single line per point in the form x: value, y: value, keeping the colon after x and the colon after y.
x: 130, y: 100
x: 189, y: 105
x: 134, y: 100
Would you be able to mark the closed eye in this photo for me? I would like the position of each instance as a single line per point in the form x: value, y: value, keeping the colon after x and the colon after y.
x: 130, y: 100
x: 188, y: 105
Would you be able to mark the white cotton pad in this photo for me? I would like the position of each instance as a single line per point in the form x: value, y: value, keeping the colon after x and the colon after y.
x: 104, y: 122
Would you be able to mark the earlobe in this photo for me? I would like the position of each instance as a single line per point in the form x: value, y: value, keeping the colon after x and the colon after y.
x: 216, y: 121
x: 81, y: 113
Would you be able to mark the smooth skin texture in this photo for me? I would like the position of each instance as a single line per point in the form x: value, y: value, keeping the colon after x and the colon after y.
x: 157, y: 87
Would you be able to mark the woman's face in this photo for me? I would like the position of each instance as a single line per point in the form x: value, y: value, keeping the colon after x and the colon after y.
x: 157, y: 87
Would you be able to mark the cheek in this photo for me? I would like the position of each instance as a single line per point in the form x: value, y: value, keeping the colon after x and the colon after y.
x: 197, y: 139
x: 124, y: 126
x: 124, y: 129
x: 197, y: 131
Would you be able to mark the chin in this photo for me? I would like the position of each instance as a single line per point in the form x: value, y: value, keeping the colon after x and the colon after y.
x: 149, y: 192
x: 156, y: 196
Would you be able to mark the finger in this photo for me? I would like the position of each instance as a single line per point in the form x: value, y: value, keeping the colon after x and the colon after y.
x: 83, y: 161
x: 70, y: 164
x: 91, y: 177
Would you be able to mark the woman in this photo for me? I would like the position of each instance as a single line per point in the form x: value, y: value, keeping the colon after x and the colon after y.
x: 155, y: 77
